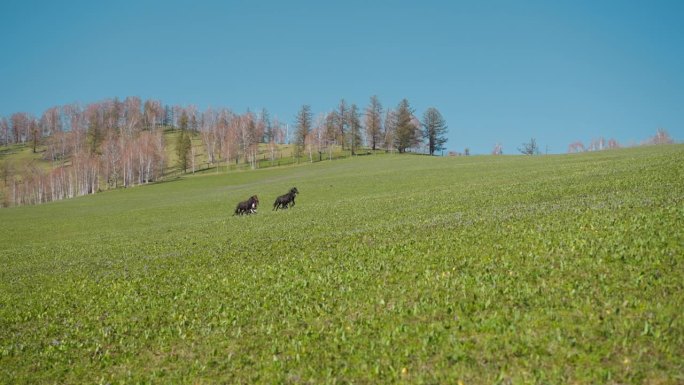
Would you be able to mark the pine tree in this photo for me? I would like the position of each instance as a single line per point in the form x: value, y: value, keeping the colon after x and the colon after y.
x: 267, y: 126
x: 168, y: 116
x: 434, y: 130
x: 183, y: 121
x: 183, y: 146
x: 35, y: 135
x: 94, y: 136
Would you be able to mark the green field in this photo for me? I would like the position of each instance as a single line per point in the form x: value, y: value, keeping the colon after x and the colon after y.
x: 389, y: 269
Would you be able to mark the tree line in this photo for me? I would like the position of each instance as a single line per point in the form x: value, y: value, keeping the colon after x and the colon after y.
x: 121, y: 143
x: 598, y: 144
x: 392, y: 129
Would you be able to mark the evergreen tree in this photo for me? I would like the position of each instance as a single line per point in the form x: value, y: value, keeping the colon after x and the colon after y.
x: 183, y: 121
x: 406, y: 134
x: 267, y: 126
x: 94, y: 136
x: 183, y: 145
x: 168, y: 116
x: 434, y: 130
x: 35, y: 135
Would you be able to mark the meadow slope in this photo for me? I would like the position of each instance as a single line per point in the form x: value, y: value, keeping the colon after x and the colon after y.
x: 549, y: 269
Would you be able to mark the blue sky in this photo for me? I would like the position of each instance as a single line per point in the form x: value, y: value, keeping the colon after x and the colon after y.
x: 498, y: 71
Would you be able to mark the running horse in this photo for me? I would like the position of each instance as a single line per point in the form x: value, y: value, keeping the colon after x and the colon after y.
x: 247, y: 207
x: 287, y: 200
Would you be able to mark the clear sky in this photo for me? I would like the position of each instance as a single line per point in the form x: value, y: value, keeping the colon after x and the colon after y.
x: 498, y: 71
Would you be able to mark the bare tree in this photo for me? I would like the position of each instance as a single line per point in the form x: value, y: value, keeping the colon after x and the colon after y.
x: 208, y: 134
x: 249, y: 137
x: 575, y: 147
x: 612, y: 143
x: 597, y: 144
x: 529, y: 148
x: 318, y: 135
x: 133, y: 117
x: 51, y: 122
x: 193, y: 120
x: 111, y: 160
x: 85, y: 167
x: 390, y: 130
x: 21, y: 127
x: 152, y: 114
x: 373, y: 122
x: 341, y: 123
x: 309, y: 144
x: 4, y: 131
x: 279, y: 134
x: 303, y: 128
x: 661, y: 137
x: 127, y: 160
x: 230, y: 141
x: 354, y: 123
x: 331, y: 131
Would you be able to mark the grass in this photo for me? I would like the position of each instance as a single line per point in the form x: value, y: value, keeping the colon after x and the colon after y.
x: 22, y: 153
x: 283, y: 156
x: 553, y: 269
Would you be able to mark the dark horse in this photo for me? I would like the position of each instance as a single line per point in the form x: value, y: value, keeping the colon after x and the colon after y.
x: 287, y: 200
x: 247, y: 207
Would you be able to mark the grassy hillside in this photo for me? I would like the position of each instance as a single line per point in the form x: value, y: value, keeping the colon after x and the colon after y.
x: 19, y: 163
x: 554, y: 269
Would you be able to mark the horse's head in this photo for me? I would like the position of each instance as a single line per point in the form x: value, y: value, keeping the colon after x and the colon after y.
x: 294, y: 190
